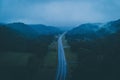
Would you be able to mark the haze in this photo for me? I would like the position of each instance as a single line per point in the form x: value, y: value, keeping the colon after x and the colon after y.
x: 59, y: 12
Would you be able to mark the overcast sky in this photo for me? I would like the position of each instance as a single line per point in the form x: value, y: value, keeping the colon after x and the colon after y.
x: 59, y: 12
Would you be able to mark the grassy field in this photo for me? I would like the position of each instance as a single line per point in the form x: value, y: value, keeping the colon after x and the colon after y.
x: 27, y: 66
x: 71, y: 59
x: 16, y: 66
x: 14, y: 59
x: 47, y: 70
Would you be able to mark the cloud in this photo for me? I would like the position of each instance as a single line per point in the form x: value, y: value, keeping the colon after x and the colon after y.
x: 59, y: 12
x: 65, y: 13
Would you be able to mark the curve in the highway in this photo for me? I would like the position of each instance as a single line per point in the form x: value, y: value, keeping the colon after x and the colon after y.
x: 62, y: 65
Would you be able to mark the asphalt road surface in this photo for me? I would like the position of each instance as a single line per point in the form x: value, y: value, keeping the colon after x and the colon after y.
x: 62, y: 65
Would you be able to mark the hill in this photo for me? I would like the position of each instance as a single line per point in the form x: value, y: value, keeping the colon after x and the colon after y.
x: 98, y: 56
x: 26, y: 38
x: 85, y: 31
x: 45, y: 30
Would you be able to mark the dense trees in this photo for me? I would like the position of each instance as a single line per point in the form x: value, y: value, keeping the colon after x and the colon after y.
x: 23, y: 45
x: 99, y: 57
x: 19, y: 37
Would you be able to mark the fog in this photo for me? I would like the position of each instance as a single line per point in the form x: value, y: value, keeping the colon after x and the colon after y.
x: 59, y: 12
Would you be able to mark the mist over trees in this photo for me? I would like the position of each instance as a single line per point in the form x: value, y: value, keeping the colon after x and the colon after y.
x: 98, y: 51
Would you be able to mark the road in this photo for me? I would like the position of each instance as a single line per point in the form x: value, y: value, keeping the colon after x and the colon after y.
x: 62, y: 65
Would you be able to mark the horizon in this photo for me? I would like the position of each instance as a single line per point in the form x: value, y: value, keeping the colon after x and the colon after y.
x: 62, y: 26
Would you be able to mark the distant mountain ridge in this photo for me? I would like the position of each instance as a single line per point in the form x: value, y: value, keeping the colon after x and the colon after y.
x: 84, y: 31
x: 94, y: 30
x: 26, y: 38
x: 23, y: 29
x: 42, y: 29
x: 32, y: 31
x: 112, y: 26
x: 86, y: 28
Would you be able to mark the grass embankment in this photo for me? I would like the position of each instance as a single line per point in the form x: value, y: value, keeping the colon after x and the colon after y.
x: 71, y: 59
x: 47, y: 70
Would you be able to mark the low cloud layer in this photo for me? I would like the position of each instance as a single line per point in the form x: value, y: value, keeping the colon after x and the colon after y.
x: 59, y: 12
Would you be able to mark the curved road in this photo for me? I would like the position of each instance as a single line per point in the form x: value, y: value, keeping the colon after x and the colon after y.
x: 62, y: 65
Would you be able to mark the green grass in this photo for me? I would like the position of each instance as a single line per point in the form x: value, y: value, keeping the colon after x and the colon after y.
x: 14, y: 59
x: 16, y: 66
x: 47, y: 70
x: 71, y: 58
x: 27, y: 66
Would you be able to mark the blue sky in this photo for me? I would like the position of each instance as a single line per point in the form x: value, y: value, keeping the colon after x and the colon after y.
x: 59, y: 12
